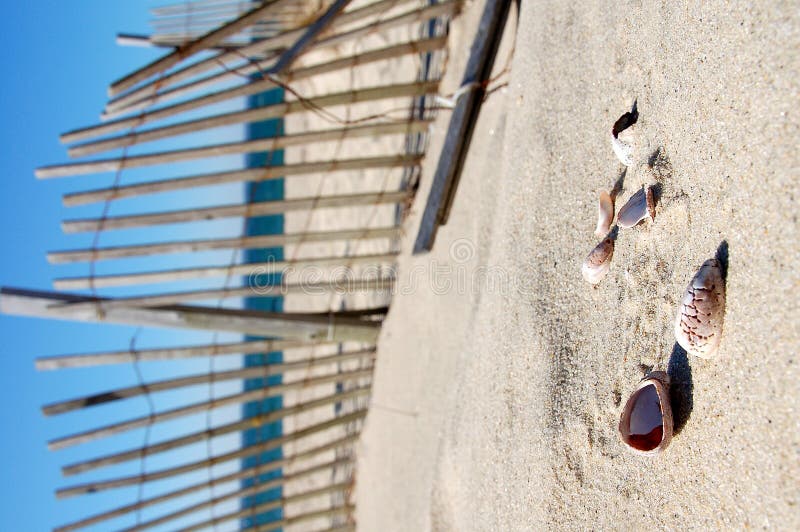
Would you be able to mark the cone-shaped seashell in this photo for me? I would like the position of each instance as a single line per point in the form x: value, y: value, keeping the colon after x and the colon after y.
x: 640, y: 206
x: 645, y: 426
x: 623, y: 138
x: 598, y: 262
x: 701, y: 312
x: 605, y: 214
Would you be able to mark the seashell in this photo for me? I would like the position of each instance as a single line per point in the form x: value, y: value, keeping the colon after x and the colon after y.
x: 640, y: 206
x: 701, y: 313
x: 623, y: 138
x: 645, y: 425
x: 605, y: 213
x: 598, y: 262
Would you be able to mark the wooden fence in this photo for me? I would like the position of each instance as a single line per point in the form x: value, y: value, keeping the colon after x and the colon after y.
x: 216, y: 52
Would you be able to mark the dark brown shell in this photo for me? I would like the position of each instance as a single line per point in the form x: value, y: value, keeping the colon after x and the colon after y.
x: 660, y: 381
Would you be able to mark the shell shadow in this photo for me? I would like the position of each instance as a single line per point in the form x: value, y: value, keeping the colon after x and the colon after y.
x: 619, y: 184
x: 681, y: 388
x: 658, y: 191
x: 722, y: 256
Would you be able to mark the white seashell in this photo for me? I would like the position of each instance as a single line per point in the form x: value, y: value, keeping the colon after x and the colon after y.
x: 640, y: 206
x: 701, y: 313
x: 645, y: 425
x: 623, y: 148
x: 605, y: 213
x: 598, y: 262
x: 623, y: 138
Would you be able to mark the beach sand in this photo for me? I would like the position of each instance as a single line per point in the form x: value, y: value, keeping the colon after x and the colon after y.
x: 495, y: 404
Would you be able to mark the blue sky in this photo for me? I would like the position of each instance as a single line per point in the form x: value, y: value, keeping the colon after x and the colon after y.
x: 58, y: 59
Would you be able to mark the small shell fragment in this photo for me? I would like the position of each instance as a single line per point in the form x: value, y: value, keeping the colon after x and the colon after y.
x: 645, y: 425
x: 623, y: 138
x: 701, y: 312
x: 598, y: 262
x: 640, y: 206
x: 605, y: 213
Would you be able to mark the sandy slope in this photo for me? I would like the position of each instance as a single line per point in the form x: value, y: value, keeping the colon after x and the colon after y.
x: 495, y: 408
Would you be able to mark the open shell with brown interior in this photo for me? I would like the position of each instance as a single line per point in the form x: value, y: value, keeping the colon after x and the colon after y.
x: 645, y: 426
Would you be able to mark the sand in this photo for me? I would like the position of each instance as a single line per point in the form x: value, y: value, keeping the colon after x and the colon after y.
x: 495, y: 407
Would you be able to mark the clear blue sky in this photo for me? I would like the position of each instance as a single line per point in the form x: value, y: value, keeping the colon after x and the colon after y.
x: 58, y: 58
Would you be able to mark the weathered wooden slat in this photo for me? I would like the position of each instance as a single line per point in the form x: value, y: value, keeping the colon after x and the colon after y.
x: 266, y: 173
x: 233, y: 60
x: 308, y: 37
x: 246, y: 452
x: 202, y: 406
x: 254, y: 372
x: 262, y: 324
x: 276, y: 110
x: 342, y: 285
x: 241, y: 493
x: 182, y: 441
x: 171, y: 353
x: 249, y: 472
x: 245, y: 242
x: 338, y: 511
x: 194, y: 28
x: 446, y: 8
x: 267, y: 506
x: 201, y: 313
x: 462, y: 123
x: 275, y: 526
x: 254, y: 87
x: 194, y: 14
x: 246, y: 210
x: 210, y: 39
x: 198, y: 6
x: 256, y: 174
